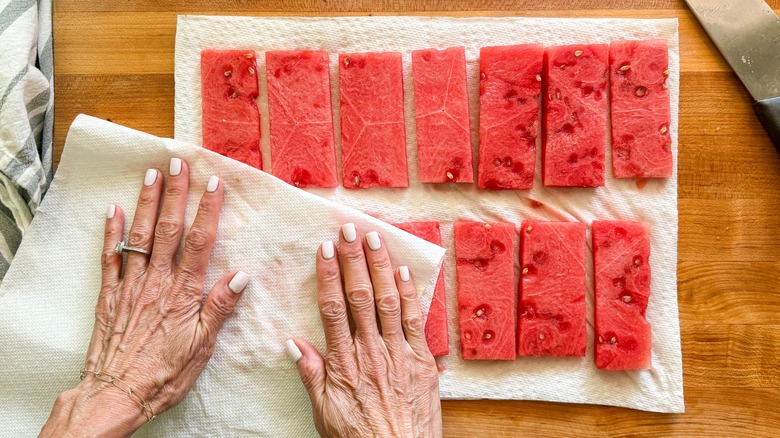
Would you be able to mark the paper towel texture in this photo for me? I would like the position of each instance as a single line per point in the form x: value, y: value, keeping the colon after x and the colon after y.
x: 268, y: 228
x: 564, y: 380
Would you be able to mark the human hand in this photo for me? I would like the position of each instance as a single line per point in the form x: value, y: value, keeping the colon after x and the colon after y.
x: 379, y: 381
x: 153, y: 330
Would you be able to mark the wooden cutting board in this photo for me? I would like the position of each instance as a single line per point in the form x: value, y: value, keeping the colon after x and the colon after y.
x: 114, y: 59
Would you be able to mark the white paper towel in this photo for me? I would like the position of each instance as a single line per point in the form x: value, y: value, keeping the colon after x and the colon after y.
x: 564, y: 380
x: 268, y: 228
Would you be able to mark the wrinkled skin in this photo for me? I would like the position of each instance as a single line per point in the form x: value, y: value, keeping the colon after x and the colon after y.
x: 151, y: 330
x: 380, y: 380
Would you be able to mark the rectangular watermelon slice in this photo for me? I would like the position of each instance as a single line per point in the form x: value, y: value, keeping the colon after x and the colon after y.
x: 509, y: 87
x: 575, y: 115
x: 641, y: 142
x: 442, y: 115
x: 436, y: 325
x: 231, y: 120
x: 486, y: 283
x: 621, y: 253
x: 551, y: 310
x: 303, y: 150
x: 373, y: 135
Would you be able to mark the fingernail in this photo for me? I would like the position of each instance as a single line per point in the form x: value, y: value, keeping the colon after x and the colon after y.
x: 213, y: 184
x: 239, y: 282
x: 403, y: 272
x: 327, y: 250
x: 175, y: 167
x: 293, y: 352
x: 373, y: 240
x: 111, y: 211
x: 151, y: 177
x: 349, y: 232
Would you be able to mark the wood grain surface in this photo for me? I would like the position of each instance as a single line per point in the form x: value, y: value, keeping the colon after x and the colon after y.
x: 114, y: 59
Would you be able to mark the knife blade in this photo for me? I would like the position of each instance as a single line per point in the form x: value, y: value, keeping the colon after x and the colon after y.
x: 747, y: 33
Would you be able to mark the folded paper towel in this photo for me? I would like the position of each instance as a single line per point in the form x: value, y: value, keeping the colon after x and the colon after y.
x: 566, y: 380
x: 268, y: 228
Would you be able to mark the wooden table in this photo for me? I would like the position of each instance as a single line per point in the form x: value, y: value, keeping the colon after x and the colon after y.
x: 114, y: 59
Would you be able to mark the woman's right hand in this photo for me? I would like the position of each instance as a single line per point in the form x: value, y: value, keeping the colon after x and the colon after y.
x: 380, y: 380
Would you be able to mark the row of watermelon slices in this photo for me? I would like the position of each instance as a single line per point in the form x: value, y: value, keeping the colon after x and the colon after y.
x: 549, y: 318
x: 571, y: 81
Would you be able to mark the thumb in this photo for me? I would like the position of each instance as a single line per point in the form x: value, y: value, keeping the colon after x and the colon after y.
x: 310, y: 365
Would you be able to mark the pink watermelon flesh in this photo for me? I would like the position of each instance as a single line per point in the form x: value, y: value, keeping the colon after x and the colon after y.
x: 551, y: 313
x: 231, y: 120
x: 442, y: 115
x: 303, y: 150
x: 641, y: 142
x: 373, y: 136
x: 621, y: 253
x: 509, y: 87
x: 486, y: 282
x: 436, y: 325
x: 575, y: 119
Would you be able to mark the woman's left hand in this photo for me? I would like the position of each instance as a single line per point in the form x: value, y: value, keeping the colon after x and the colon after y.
x: 153, y: 332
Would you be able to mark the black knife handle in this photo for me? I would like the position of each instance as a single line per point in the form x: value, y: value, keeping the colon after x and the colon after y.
x: 768, y: 112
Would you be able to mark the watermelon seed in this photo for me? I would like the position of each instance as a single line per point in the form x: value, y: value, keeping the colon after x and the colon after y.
x: 528, y: 229
x: 477, y: 263
x: 627, y: 298
x: 482, y: 76
x: 613, y: 341
x: 601, y: 340
x: 508, y: 163
x: 487, y: 226
x: 525, y: 271
x: 357, y: 180
x: 666, y: 72
x: 467, y: 336
x: 251, y: 71
x: 487, y: 336
x: 297, y: 183
x: 637, y: 262
x: 235, y: 94
x: 640, y: 91
x: 625, y: 67
x: 541, y: 336
x: 450, y: 175
x: 498, y: 162
x: 664, y: 129
x: 578, y: 53
x: 248, y: 55
x: 346, y: 61
x: 539, y: 78
x: 228, y: 73
x: 480, y: 312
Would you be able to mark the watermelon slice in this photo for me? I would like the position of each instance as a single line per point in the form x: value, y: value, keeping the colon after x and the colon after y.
x: 373, y: 135
x: 303, y: 150
x: 442, y: 115
x: 575, y: 107
x: 509, y: 87
x: 436, y: 325
x: 641, y: 142
x: 551, y: 313
x: 621, y: 253
x: 486, y: 283
x: 231, y: 120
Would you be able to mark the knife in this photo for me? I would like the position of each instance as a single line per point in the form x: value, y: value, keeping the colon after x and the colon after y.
x: 747, y: 33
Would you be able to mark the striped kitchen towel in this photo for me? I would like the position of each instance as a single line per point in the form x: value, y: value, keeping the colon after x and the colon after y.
x: 26, y: 117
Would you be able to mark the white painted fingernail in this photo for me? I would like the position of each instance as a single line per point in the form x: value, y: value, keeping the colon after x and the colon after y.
x: 403, y: 272
x: 111, y: 211
x: 175, y: 168
x: 349, y: 232
x: 151, y: 177
x: 213, y: 184
x: 293, y: 352
x: 373, y: 240
x: 327, y: 250
x: 239, y: 282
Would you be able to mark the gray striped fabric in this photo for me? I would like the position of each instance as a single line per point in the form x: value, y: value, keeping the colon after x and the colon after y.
x: 26, y: 117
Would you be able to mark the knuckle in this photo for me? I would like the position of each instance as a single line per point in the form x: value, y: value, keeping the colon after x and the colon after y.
x: 138, y: 237
x: 354, y: 257
x: 361, y: 296
x: 207, y: 206
x: 147, y: 199
x: 168, y: 230
x: 175, y: 190
x: 413, y: 325
x: 198, y: 241
x: 333, y: 310
x: 381, y: 264
x: 107, y: 259
x: 329, y: 274
x: 389, y: 305
x: 221, y: 305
